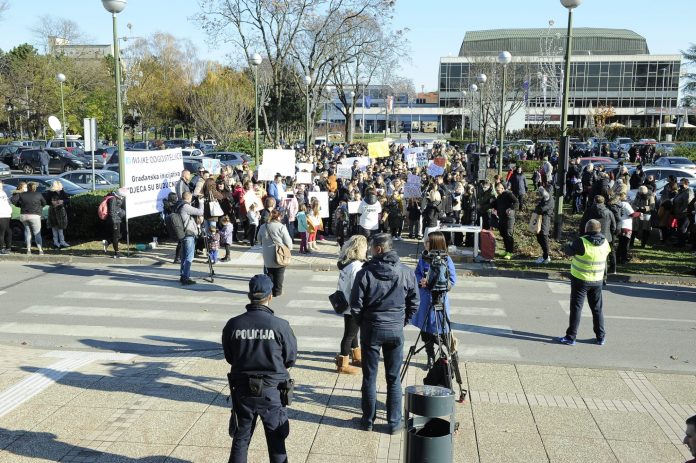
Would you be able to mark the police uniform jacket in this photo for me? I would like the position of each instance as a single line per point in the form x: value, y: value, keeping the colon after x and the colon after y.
x: 259, y: 343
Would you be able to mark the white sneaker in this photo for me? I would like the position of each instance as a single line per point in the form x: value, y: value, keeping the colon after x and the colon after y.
x: 540, y: 260
x: 547, y: 261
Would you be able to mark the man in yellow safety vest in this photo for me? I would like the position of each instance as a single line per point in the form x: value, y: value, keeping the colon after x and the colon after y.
x: 587, y: 273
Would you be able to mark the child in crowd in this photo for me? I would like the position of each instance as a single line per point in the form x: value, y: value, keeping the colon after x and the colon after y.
x: 253, y: 219
x: 302, y: 228
x: 342, y: 224
x: 213, y: 243
x: 226, y: 234
x: 414, y: 216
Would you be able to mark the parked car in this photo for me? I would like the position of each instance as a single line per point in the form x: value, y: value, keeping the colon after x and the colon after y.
x: 4, y: 170
x: 664, y: 148
x: 178, y: 143
x: 71, y: 144
x: 111, y: 167
x: 597, y: 160
x: 143, y: 146
x: 660, y: 172
x: 191, y: 153
x: 103, y: 179
x: 676, y: 161
x: 529, y: 144
x: 192, y: 165
x: 229, y: 158
x: 7, y: 152
x: 60, y: 161
x: 44, y: 183
x: 622, y: 140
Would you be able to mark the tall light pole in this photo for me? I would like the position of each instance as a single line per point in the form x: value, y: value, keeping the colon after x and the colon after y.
x: 363, y: 109
x: 563, y: 161
x: 352, y: 125
x: 61, y: 78
x: 481, y: 79
x: 662, y: 105
x: 463, y: 100
x: 473, y: 88
x: 115, y: 7
x: 504, y: 58
x: 308, y: 81
x: 255, y: 61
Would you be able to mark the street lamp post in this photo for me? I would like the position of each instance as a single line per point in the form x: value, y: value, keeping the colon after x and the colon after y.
x: 481, y: 79
x: 463, y: 100
x: 473, y: 88
x: 504, y: 58
x: 662, y: 105
x: 563, y: 161
x: 255, y: 61
x: 115, y: 7
x: 61, y: 78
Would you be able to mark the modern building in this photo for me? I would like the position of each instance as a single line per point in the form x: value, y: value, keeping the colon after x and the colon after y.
x: 610, y: 68
x: 60, y: 46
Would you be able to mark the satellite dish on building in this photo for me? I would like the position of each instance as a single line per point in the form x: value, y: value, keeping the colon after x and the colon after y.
x: 55, y: 124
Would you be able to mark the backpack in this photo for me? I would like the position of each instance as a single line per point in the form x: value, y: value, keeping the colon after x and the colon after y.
x: 176, y: 228
x: 438, y: 274
x: 103, y: 209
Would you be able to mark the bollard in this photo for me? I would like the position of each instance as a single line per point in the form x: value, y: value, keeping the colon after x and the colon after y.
x: 430, y: 422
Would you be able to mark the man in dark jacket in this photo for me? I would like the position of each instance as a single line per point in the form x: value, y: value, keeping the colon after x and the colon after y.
x: 44, y: 160
x: 518, y: 185
x: 505, y: 206
x: 587, y: 269
x: 384, y: 298
x: 115, y: 217
x: 260, y: 348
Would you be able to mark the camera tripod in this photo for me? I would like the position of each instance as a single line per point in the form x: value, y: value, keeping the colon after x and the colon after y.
x: 446, y: 348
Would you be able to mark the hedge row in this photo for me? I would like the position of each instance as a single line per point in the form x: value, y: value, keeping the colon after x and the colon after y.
x: 84, y: 224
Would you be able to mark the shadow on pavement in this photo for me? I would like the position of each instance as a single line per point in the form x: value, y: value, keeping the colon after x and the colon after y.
x: 45, y: 446
x: 659, y: 292
x: 502, y: 333
x: 178, y: 346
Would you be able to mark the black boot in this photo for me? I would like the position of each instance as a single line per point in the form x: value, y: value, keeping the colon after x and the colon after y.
x: 645, y: 238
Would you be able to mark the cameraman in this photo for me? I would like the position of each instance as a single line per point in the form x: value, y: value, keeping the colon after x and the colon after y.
x: 425, y: 319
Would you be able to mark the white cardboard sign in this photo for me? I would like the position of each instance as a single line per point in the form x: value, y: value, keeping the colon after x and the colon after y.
x: 283, y: 161
x: 149, y: 178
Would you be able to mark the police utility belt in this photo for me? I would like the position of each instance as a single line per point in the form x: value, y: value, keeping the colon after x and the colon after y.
x: 256, y: 386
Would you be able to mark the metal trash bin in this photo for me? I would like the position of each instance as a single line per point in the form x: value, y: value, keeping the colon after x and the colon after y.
x: 428, y: 433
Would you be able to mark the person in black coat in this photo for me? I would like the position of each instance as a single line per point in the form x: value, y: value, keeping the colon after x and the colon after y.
x: 30, y: 204
x: 518, y: 185
x: 505, y: 205
x: 114, y: 219
x: 544, y: 208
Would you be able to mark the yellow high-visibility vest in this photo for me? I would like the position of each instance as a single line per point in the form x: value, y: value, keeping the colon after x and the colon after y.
x: 590, y: 266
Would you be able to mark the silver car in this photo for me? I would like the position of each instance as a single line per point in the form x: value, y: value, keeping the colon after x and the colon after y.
x: 103, y: 179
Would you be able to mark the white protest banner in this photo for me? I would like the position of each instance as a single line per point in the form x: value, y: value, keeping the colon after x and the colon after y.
x: 344, y: 171
x: 434, y: 170
x: 266, y: 173
x: 250, y: 197
x: 323, y: 197
x: 211, y: 165
x: 283, y: 161
x: 304, y: 177
x: 353, y: 207
x: 363, y: 162
x: 414, y: 156
x: 149, y: 178
x: 305, y: 167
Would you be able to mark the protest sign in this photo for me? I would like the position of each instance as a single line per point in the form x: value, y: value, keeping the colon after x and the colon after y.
x: 323, y: 197
x: 266, y: 172
x: 283, y: 161
x: 149, y: 177
x: 378, y: 149
x: 363, y: 162
x: 344, y: 171
x: 211, y: 165
x: 412, y: 190
x: 415, y: 157
x: 304, y: 177
x: 353, y: 207
x: 434, y: 170
x: 413, y: 179
x: 250, y: 197
x: 305, y: 167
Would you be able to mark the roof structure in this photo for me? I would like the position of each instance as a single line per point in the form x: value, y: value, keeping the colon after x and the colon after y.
x: 529, y: 42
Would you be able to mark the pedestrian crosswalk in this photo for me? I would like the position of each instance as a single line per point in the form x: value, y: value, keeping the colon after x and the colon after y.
x: 132, y: 306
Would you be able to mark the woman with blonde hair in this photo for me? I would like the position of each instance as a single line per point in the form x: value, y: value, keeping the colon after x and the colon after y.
x: 58, y: 214
x: 350, y: 261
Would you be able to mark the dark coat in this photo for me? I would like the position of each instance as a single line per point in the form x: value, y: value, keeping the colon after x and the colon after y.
x: 58, y: 214
x: 117, y: 212
x: 605, y: 217
x: 259, y: 343
x: 431, y: 213
x: 29, y: 202
x: 385, y: 292
x: 518, y: 184
x: 506, y: 200
x: 544, y: 208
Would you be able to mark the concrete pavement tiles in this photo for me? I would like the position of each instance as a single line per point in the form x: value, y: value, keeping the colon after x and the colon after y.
x: 174, y: 409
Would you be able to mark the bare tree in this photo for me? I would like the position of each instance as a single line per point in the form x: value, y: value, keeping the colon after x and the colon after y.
x: 50, y: 31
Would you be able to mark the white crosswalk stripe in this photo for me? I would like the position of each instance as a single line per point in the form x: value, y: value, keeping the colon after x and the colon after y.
x: 466, y: 283
x: 559, y: 288
x: 478, y: 311
x: 325, y: 277
x: 469, y: 296
x: 198, y: 299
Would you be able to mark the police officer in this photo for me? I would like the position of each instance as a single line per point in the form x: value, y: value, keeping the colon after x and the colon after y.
x: 260, y: 347
x: 587, y: 273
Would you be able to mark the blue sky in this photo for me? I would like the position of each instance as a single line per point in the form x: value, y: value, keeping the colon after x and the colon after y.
x: 437, y: 27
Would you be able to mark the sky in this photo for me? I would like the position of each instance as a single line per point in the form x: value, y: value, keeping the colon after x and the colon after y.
x: 437, y: 27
